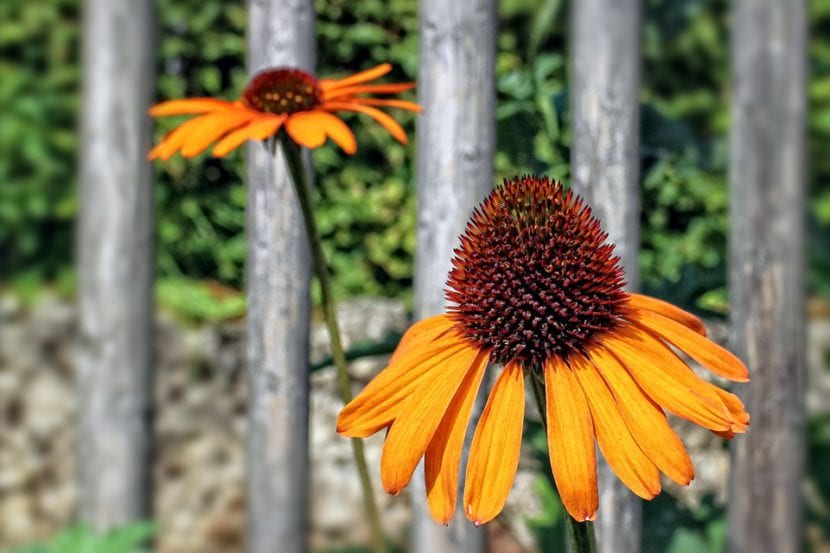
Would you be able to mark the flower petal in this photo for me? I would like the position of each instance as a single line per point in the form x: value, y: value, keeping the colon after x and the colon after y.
x: 401, y: 104
x: 257, y: 130
x: 344, y: 92
x: 377, y: 405
x: 443, y: 454
x: 667, y: 379
x: 625, y: 457
x: 645, y: 419
x: 571, y: 442
x: 736, y: 409
x: 192, y: 131
x: 738, y: 412
x: 174, y: 139
x: 420, y: 333
x: 338, y: 131
x: 706, y: 352
x: 214, y: 126
x: 384, y: 119
x: 361, y: 77
x: 307, y: 128
x: 189, y: 106
x: 639, y: 301
x: 310, y: 129
x: 494, y: 454
x: 418, y: 419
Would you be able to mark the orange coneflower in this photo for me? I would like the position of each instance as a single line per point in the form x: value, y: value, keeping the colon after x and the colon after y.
x: 282, y: 98
x: 535, y: 288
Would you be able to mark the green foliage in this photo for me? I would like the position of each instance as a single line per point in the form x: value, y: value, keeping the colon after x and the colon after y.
x: 819, y: 127
x: 683, y: 127
x: 39, y: 95
x: 196, y: 301
x: 366, y: 207
x: 817, y: 492
x: 80, y: 539
x: 366, y: 202
x: 391, y: 547
x: 200, y: 205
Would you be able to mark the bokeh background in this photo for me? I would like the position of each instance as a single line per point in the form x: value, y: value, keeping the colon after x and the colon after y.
x: 367, y: 216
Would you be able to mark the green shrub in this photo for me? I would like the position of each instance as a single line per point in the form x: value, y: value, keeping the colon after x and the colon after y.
x: 80, y: 539
x: 367, y: 201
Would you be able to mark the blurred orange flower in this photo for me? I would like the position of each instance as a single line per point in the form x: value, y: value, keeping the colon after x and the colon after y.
x: 282, y: 98
x: 536, y: 288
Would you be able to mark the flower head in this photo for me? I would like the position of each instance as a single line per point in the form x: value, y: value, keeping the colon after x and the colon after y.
x: 279, y: 98
x: 536, y: 289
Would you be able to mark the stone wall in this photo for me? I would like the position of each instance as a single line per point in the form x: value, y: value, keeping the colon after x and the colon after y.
x: 199, y: 470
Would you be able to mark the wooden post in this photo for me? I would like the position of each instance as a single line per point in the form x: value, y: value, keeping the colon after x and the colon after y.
x: 281, y: 33
x: 115, y: 263
x: 456, y: 139
x: 605, y: 166
x: 767, y: 271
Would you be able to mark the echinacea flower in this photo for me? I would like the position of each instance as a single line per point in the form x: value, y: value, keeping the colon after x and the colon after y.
x: 536, y: 289
x: 282, y: 98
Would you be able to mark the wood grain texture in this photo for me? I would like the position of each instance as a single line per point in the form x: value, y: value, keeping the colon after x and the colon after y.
x: 281, y: 33
x: 605, y: 50
x: 456, y: 138
x: 115, y: 263
x: 767, y: 271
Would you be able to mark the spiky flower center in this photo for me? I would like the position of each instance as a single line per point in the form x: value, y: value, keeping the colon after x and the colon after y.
x: 282, y: 90
x: 534, y: 278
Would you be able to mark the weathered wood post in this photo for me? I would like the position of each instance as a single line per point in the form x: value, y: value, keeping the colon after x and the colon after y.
x: 605, y: 164
x: 767, y: 270
x: 115, y: 263
x: 456, y: 139
x: 281, y: 33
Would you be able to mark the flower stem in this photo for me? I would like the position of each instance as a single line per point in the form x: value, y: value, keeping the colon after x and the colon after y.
x: 299, y: 177
x: 580, y: 535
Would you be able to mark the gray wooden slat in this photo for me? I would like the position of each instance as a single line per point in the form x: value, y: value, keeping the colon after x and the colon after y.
x: 605, y: 56
x: 115, y: 264
x: 280, y: 33
x: 767, y: 271
x: 456, y: 138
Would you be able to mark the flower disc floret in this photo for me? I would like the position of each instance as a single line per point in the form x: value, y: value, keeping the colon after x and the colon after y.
x: 534, y: 278
x: 282, y: 91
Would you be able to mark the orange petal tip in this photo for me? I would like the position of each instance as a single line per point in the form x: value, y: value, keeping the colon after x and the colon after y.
x: 584, y: 517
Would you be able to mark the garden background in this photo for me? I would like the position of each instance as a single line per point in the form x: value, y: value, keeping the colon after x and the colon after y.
x: 367, y: 210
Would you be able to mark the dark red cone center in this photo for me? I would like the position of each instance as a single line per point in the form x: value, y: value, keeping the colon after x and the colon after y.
x: 534, y: 277
x: 282, y: 90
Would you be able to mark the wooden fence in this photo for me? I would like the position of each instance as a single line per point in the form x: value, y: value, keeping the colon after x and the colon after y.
x: 455, y: 150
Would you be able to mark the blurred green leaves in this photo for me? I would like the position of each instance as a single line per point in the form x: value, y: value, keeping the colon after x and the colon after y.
x: 80, y: 539
x: 38, y: 92
x: 367, y: 201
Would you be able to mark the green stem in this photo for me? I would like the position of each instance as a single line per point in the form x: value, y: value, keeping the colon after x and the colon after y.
x: 580, y: 535
x: 296, y: 167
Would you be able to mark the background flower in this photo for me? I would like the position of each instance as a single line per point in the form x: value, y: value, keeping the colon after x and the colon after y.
x: 282, y: 98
